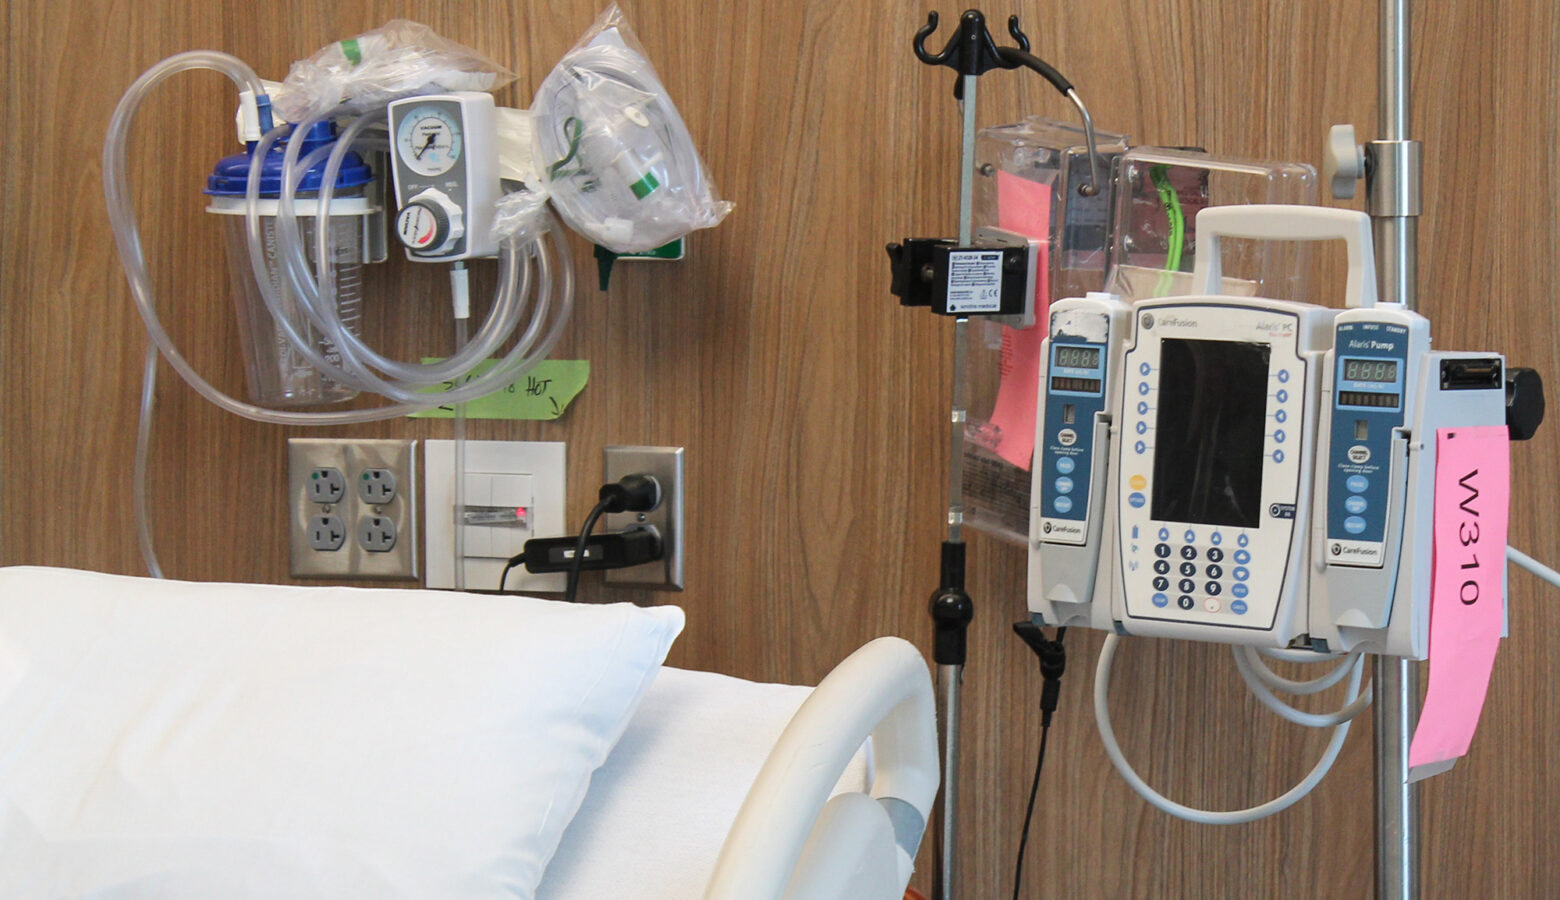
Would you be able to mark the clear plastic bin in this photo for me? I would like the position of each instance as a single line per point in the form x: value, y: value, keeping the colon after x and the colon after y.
x: 1158, y: 195
x: 1028, y: 176
x: 276, y: 374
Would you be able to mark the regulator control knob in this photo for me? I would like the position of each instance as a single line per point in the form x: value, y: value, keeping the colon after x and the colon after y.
x: 430, y: 223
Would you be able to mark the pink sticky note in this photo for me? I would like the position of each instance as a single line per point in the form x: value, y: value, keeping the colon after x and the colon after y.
x: 1023, y: 206
x: 1472, y: 495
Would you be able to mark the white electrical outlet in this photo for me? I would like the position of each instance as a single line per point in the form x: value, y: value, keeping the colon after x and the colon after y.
x: 514, y: 492
x: 354, y: 508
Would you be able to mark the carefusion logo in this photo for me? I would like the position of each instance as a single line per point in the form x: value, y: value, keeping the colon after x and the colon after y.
x: 1357, y: 553
x: 1062, y: 531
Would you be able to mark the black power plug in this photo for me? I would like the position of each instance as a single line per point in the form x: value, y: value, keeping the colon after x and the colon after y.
x: 631, y: 493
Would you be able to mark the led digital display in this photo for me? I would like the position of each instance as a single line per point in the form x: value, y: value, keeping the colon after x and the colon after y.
x: 1074, y: 357
x: 1076, y: 385
x: 1212, y: 424
x: 1368, y: 398
x: 1379, y: 370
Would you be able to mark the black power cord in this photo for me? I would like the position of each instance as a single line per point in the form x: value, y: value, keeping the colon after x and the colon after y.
x: 1053, y: 662
x: 513, y: 562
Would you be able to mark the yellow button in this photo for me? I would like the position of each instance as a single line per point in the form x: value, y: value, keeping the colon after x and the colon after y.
x: 1138, y: 482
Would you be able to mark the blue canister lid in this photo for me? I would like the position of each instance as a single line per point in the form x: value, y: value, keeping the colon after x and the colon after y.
x: 230, y: 176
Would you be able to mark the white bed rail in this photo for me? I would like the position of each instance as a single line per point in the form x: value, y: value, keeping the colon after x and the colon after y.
x: 785, y: 843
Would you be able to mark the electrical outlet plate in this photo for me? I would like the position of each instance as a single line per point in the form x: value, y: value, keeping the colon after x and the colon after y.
x: 666, y: 464
x: 499, y: 474
x: 366, y: 551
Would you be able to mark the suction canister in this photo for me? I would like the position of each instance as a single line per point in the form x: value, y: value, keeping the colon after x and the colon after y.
x: 276, y: 373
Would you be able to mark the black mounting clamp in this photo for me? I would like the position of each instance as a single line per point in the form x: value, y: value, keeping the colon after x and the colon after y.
x: 1524, y: 402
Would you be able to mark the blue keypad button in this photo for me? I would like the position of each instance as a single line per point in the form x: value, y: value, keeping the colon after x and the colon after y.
x: 1142, y: 409
x: 1213, y: 588
x: 1238, y: 607
x: 1283, y: 396
x: 1188, y: 568
x: 1161, y: 550
x: 1216, y: 538
x: 1136, y: 500
x: 1140, y: 447
x: 1185, y: 602
x: 1144, y: 369
x: 1164, y: 534
x: 1134, y: 532
x: 1161, y: 601
x: 1065, y: 464
x: 1241, y: 573
x: 1142, y: 387
x: 1161, y: 583
x: 1283, y: 376
x: 1354, y: 525
x: 1215, y: 555
x: 1357, y: 484
x: 1161, y: 566
x: 1242, y: 557
x: 1187, y: 585
x: 1278, y: 456
x: 1281, y: 416
x: 1064, y: 485
x: 1142, y: 427
x: 1355, y: 504
x: 1190, y: 536
x: 1188, y: 552
x: 1215, y: 571
x: 1240, y: 590
x: 1062, y: 504
x: 1243, y: 540
x: 1278, y: 436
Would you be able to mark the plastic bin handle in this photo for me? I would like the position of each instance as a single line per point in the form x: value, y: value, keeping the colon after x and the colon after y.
x: 1279, y: 222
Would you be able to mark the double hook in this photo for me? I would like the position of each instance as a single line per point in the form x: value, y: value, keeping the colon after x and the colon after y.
x: 971, y: 52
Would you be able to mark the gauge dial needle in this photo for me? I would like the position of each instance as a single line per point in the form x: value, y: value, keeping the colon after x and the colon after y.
x: 426, y: 144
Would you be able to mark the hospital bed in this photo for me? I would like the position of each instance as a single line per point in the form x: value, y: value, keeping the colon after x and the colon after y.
x: 168, y: 739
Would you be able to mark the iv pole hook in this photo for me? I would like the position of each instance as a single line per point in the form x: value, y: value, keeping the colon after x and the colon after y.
x: 971, y: 51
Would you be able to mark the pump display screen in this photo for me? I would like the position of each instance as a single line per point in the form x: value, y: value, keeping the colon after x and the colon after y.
x: 1379, y: 370
x: 1208, y: 440
x: 1070, y: 357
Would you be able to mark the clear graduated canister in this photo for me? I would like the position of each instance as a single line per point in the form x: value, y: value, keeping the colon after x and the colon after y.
x: 276, y: 374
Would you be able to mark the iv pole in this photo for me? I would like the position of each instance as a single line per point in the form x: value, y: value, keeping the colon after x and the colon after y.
x: 1391, y: 166
x: 1392, y: 198
x: 971, y: 52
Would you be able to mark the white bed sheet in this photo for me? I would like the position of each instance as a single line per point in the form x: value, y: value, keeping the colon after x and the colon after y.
x: 658, y: 811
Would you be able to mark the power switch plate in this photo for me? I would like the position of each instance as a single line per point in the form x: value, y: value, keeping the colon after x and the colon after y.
x: 666, y: 464
x: 379, y: 489
x: 502, y: 477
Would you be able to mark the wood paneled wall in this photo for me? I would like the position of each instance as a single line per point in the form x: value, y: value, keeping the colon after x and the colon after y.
x: 811, y: 406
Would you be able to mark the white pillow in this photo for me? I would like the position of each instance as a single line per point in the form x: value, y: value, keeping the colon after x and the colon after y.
x: 167, y: 739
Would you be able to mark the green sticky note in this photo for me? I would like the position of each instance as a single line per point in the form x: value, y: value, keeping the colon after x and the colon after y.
x: 542, y: 393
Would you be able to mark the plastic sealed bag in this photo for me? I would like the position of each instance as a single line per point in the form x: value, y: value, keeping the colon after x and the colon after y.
x: 399, y: 59
x: 521, y: 216
x: 612, y: 149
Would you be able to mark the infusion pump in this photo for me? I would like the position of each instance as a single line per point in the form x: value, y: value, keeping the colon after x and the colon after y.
x: 1246, y: 470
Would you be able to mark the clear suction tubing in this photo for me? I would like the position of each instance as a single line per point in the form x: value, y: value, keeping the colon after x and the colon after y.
x: 302, y: 245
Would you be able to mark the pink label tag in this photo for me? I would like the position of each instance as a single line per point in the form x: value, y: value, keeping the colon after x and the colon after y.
x: 1467, y: 597
x: 1023, y: 206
